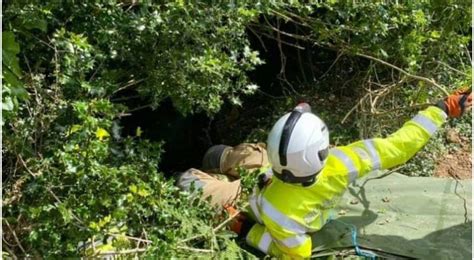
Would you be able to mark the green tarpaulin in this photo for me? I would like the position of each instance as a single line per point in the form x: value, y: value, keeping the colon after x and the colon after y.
x: 400, y: 216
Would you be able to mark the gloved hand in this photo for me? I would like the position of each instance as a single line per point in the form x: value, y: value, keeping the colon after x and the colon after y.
x: 240, y: 225
x: 455, y: 104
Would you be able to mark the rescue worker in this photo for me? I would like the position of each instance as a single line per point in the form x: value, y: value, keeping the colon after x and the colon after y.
x: 219, y: 177
x: 307, y: 179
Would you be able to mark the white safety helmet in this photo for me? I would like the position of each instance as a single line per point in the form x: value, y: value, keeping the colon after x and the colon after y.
x: 298, y: 146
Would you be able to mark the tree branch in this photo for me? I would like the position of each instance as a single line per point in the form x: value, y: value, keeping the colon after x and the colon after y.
x: 427, y: 80
x: 15, y: 236
x: 198, y: 250
x: 10, y: 252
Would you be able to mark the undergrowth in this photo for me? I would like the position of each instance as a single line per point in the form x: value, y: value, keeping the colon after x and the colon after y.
x: 74, y: 185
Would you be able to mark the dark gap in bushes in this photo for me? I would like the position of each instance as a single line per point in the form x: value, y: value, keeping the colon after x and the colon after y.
x: 187, y: 137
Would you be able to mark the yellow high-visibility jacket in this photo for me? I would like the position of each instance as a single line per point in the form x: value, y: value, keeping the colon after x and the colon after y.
x: 286, y: 213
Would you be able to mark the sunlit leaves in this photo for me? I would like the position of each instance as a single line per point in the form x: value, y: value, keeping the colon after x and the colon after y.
x: 101, y: 134
x: 13, y: 90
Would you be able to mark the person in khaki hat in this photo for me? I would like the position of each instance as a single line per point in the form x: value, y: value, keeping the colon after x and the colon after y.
x: 219, y: 177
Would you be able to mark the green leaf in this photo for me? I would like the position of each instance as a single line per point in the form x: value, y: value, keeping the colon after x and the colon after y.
x: 104, y: 221
x: 420, y: 17
x: 435, y: 34
x: 11, y: 68
x: 9, y: 44
x: 65, y: 213
x: 143, y: 192
x: 133, y: 188
x: 7, y: 104
x: 138, y: 132
x: 101, y: 134
x: 37, y: 23
x: 75, y: 128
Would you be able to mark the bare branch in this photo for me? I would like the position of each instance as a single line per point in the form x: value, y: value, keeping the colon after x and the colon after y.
x: 258, y: 37
x: 282, y: 41
x: 15, y: 236
x: 451, y: 68
x: 139, y: 108
x: 427, y: 80
x: 130, y: 83
x: 332, y: 65
x: 9, y: 252
x: 198, y: 250
x: 354, y: 108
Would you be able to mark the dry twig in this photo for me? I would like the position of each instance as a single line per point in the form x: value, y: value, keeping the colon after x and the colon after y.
x: 9, y: 252
x: 15, y: 236
x: 130, y: 83
x: 451, y: 68
x: 332, y: 65
x: 427, y: 80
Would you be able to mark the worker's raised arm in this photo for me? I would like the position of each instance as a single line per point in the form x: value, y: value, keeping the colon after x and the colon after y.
x: 383, y: 153
x: 367, y: 155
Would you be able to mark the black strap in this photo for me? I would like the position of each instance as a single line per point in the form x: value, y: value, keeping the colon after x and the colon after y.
x: 443, y: 106
x: 461, y: 102
x: 286, y: 134
x: 288, y: 177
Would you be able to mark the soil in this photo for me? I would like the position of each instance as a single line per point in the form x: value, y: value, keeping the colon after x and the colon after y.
x: 456, y: 164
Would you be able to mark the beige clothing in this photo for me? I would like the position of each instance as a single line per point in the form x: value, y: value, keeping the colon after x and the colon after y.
x: 248, y: 156
x: 223, y: 185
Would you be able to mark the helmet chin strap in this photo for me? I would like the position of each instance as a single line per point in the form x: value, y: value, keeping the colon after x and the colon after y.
x: 288, y: 177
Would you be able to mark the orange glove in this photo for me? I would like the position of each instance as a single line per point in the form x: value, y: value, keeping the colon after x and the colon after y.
x: 240, y: 224
x: 455, y: 104
x: 236, y: 223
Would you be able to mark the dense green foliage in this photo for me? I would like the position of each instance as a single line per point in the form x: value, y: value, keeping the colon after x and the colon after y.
x: 69, y: 174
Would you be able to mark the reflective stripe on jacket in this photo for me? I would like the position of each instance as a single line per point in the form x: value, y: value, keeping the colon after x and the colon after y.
x: 285, y: 213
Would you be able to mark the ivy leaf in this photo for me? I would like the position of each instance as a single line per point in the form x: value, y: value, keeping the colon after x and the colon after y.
x: 74, y: 129
x: 139, y: 132
x: 101, y: 133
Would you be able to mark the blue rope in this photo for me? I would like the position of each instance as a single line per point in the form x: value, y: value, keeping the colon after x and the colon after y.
x: 358, y: 251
